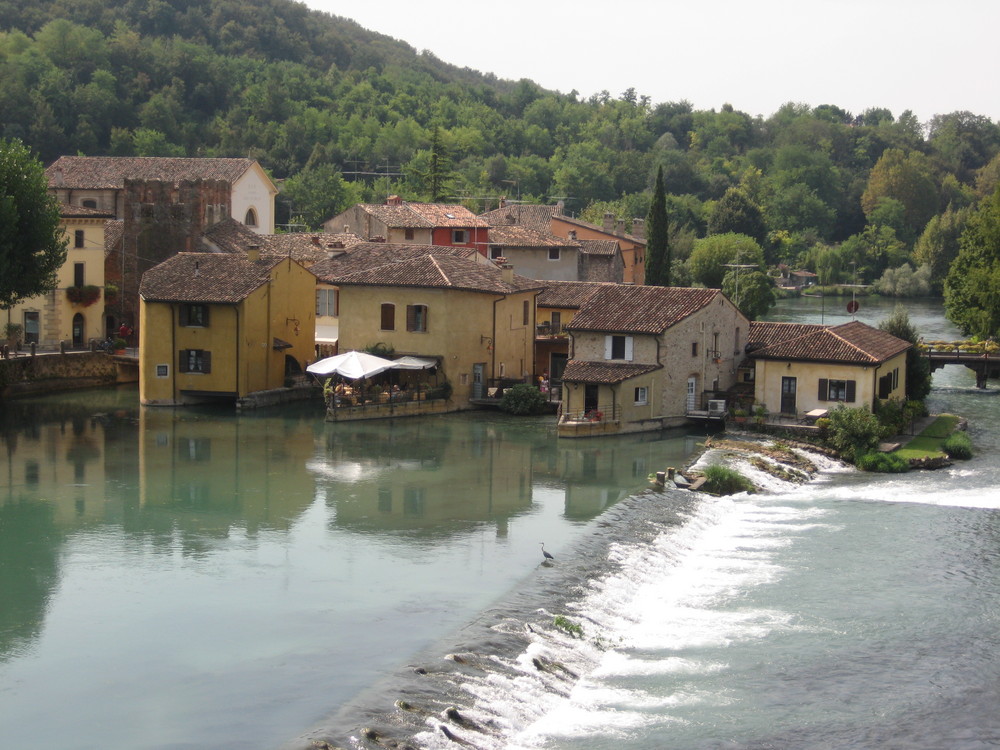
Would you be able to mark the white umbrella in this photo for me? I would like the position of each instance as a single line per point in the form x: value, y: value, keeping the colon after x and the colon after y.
x: 351, y: 365
x: 414, y: 363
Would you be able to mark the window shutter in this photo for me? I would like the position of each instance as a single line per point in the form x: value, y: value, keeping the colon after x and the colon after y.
x: 427, y: 319
x: 184, y: 317
x: 850, y: 391
x: 628, y: 348
x: 182, y: 364
x: 204, y: 315
x: 411, y: 317
x: 824, y: 390
x: 608, y: 346
x: 206, y: 361
x: 319, y: 296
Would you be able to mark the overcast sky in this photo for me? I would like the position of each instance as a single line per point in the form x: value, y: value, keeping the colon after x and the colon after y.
x: 928, y: 56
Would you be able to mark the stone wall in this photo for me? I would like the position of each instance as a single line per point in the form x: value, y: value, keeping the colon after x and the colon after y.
x: 48, y: 373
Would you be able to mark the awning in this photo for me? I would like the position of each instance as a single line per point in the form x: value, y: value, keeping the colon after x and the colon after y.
x: 280, y: 344
x: 415, y: 363
x: 351, y: 365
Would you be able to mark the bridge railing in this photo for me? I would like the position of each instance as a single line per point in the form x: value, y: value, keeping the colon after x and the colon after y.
x: 959, y: 347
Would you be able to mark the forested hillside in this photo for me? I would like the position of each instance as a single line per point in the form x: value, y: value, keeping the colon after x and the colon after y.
x: 320, y: 101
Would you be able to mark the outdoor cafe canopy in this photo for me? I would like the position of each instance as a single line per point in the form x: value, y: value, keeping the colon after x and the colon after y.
x: 352, y: 365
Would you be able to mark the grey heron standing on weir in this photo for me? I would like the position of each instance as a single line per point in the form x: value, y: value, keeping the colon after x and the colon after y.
x: 545, y: 554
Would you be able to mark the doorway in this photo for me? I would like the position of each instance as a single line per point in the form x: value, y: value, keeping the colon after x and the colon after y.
x: 788, y: 386
x: 692, y: 394
x: 78, y: 328
x: 478, y: 369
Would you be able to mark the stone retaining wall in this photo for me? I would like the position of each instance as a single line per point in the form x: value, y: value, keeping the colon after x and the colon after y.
x: 28, y: 375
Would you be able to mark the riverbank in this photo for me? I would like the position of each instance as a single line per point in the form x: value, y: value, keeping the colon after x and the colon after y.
x: 55, y: 372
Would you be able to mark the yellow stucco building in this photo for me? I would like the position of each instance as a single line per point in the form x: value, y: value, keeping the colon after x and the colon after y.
x: 222, y: 325
x: 73, y: 311
x: 476, y: 320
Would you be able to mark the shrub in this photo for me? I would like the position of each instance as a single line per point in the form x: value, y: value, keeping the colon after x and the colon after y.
x: 721, y: 480
x: 522, y: 399
x: 886, y: 463
x: 854, y: 432
x: 958, y: 445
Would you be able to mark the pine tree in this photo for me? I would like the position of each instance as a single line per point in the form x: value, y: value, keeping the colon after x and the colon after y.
x: 658, y: 258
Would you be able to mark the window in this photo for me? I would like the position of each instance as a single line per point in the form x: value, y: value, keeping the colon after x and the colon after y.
x: 195, y: 360
x: 416, y: 318
x: 251, y: 218
x: 163, y: 371
x: 641, y: 395
x: 495, y: 252
x: 736, y: 342
x: 194, y: 316
x: 556, y: 322
x: 459, y: 236
x: 554, y: 253
x: 326, y: 302
x: 618, y: 347
x: 837, y: 390
x: 408, y: 233
x: 78, y: 274
x: 78, y: 238
x: 388, y: 317
x: 526, y: 313
x: 694, y: 348
x: 89, y: 203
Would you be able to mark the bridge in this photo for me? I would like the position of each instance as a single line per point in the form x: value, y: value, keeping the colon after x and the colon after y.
x: 982, y: 357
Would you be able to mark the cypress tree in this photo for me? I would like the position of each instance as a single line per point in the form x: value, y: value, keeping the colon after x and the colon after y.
x: 657, y: 240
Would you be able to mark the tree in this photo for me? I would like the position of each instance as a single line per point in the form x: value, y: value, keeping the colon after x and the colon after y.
x: 735, y: 212
x: 317, y: 193
x: 909, y: 178
x: 32, y: 244
x: 752, y: 293
x: 937, y: 247
x: 658, y: 260
x: 708, y: 259
x: 918, y: 369
x: 971, y: 300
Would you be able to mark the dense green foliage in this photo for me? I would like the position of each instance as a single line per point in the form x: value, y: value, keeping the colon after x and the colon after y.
x: 721, y: 480
x: 331, y: 106
x: 886, y: 463
x: 971, y: 290
x: 522, y: 399
x: 32, y: 242
x: 854, y: 432
x: 958, y: 445
x: 658, y: 260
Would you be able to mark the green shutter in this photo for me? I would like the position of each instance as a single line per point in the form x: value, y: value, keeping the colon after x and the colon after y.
x: 850, y: 391
x: 824, y: 389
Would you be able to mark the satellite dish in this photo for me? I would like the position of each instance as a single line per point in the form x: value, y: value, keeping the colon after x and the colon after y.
x: 852, y: 306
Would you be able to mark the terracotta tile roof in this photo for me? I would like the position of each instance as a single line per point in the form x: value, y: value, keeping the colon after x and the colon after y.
x: 66, y: 211
x: 854, y: 342
x: 409, y: 215
x: 765, y: 333
x: 230, y: 236
x: 363, y: 256
x: 639, y: 309
x: 521, y: 236
x: 599, y: 247
x: 534, y: 217
x: 440, y: 272
x: 609, y: 373
x: 447, y: 215
x: 114, y: 230
x: 567, y: 294
x: 635, y: 239
x: 205, y: 277
x: 110, y: 172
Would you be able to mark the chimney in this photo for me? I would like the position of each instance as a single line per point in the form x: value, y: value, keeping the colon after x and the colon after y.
x: 315, y: 239
x: 197, y: 271
x: 560, y: 207
x: 58, y: 178
x: 347, y: 228
x: 503, y: 201
x: 639, y: 228
x: 507, y: 273
x: 394, y: 200
x: 620, y: 227
x: 609, y: 222
x: 571, y: 234
x: 253, y: 253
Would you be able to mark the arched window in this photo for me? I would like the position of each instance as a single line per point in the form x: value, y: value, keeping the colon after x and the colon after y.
x: 251, y: 218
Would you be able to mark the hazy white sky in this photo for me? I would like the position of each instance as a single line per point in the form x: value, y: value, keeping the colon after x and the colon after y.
x: 928, y: 56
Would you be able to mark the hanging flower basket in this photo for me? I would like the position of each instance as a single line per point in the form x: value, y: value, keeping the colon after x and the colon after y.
x: 110, y: 294
x: 83, y: 295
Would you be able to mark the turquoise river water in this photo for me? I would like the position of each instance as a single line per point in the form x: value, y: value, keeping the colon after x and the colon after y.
x: 193, y: 579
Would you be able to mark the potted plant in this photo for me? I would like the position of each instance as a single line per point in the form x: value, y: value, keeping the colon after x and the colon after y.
x: 13, y: 332
x: 119, y: 345
x: 760, y: 414
x: 110, y: 293
x: 739, y: 416
x: 83, y: 295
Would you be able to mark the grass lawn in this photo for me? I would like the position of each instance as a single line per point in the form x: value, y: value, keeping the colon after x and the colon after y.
x: 928, y: 442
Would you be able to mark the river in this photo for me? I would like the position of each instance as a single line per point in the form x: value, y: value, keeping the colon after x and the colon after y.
x: 194, y: 579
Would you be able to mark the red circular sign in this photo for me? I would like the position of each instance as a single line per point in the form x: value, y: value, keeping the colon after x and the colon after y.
x: 852, y: 306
